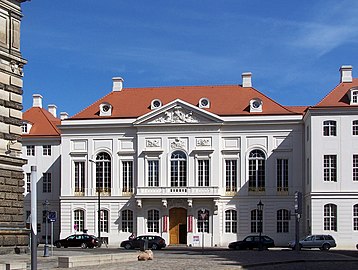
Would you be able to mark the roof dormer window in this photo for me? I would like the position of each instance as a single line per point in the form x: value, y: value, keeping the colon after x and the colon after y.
x: 105, y: 109
x: 256, y: 105
x: 26, y: 127
x: 156, y: 103
x: 204, y: 103
x: 353, y: 96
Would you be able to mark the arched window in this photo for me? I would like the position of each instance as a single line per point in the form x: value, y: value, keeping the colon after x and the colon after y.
x: 178, y: 169
x: 256, y: 221
x: 79, y: 220
x: 103, y: 172
x: 231, y: 221
x: 355, y: 217
x: 257, y: 171
x: 283, y: 218
x: 329, y: 128
x: 127, y: 221
x: 203, y: 220
x: 153, y: 221
x: 330, y: 217
x: 104, y: 221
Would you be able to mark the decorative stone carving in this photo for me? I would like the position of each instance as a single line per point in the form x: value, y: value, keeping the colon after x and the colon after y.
x: 139, y: 203
x: 190, y: 202
x: 153, y: 143
x: 178, y: 143
x: 177, y: 116
x: 203, y: 142
x: 17, y: 68
x: 165, y: 203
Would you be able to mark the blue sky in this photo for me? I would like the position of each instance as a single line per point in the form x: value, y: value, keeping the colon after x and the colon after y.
x: 293, y: 48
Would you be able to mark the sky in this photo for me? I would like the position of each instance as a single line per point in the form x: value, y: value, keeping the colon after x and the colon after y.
x: 294, y: 49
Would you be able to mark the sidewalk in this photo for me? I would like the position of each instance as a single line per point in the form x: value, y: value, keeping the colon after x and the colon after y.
x: 197, y: 259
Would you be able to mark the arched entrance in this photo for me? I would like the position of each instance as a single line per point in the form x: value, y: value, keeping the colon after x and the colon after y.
x: 177, y: 226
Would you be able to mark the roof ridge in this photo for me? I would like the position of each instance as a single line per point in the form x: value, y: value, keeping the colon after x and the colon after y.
x: 179, y: 86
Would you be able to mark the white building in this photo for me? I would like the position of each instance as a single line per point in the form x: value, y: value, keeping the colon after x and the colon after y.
x: 192, y: 163
x: 41, y: 147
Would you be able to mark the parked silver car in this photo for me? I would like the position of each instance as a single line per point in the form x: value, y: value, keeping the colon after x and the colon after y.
x: 321, y: 241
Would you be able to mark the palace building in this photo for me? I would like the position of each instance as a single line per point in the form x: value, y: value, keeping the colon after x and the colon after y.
x: 192, y: 163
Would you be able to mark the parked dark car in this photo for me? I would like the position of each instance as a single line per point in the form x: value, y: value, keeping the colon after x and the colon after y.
x: 321, y: 241
x: 79, y: 240
x: 153, y: 241
x: 253, y: 241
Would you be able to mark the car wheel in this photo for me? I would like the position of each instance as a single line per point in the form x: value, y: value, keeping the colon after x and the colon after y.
x: 127, y: 246
x: 58, y: 245
x: 154, y: 246
x: 326, y: 247
x: 83, y: 245
x: 237, y: 247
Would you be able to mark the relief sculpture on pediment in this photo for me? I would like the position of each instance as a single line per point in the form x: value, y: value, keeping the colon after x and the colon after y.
x: 177, y: 115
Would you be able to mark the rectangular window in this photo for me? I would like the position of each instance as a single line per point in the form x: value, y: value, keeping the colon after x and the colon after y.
x: 203, y: 173
x: 355, y: 167
x: 231, y: 221
x: 46, y: 150
x: 30, y: 150
x: 329, y: 128
x: 231, y: 175
x: 203, y: 221
x: 355, y: 127
x: 282, y: 174
x: 127, y: 221
x: 46, y: 182
x: 80, y: 176
x: 28, y: 182
x: 330, y: 168
x: 127, y: 174
x: 153, y: 173
x: 24, y: 128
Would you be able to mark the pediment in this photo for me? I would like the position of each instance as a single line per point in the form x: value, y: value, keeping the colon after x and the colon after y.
x: 178, y: 112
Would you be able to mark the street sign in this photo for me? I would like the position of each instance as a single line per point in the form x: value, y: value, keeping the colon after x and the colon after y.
x: 298, y: 202
x: 52, y: 216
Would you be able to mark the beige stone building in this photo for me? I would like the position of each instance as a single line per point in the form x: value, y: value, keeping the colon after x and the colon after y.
x: 12, y: 226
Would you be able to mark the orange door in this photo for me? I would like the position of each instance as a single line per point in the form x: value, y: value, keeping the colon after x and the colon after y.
x: 177, y: 219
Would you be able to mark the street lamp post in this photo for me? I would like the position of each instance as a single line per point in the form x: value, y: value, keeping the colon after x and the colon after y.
x: 260, y: 207
x: 45, y: 205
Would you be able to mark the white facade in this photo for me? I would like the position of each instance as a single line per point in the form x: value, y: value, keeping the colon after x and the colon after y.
x: 179, y: 170
x: 210, y: 138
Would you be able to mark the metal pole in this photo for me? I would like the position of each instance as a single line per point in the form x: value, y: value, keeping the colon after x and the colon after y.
x: 297, y: 233
x: 99, y: 214
x: 51, y: 238
x: 33, y: 182
x: 46, y: 253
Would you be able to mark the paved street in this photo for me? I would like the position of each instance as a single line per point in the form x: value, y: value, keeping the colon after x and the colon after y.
x: 190, y: 258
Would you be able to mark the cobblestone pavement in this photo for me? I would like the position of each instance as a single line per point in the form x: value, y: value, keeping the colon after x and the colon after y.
x: 197, y: 259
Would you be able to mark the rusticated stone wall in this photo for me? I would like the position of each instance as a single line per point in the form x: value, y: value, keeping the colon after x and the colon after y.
x: 12, y: 226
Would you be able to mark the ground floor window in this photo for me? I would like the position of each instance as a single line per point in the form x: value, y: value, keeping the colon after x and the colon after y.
x: 230, y: 221
x: 79, y: 220
x: 203, y: 220
x: 283, y: 217
x: 127, y: 221
x: 153, y: 221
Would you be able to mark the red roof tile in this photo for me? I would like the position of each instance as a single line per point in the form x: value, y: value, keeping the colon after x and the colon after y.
x: 225, y: 100
x: 338, y: 96
x: 44, y: 124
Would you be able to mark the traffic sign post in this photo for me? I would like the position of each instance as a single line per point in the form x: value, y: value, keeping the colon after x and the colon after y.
x: 51, y: 217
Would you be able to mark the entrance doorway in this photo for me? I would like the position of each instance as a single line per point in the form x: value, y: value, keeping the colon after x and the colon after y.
x: 177, y: 226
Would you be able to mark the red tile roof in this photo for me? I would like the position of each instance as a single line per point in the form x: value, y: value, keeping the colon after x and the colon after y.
x: 44, y: 124
x: 338, y: 96
x: 225, y: 100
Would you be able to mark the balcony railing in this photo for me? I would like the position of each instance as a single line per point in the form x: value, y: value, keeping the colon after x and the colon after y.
x: 193, y: 192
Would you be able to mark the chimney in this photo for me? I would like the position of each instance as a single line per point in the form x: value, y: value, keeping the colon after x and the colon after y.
x: 246, y: 79
x: 117, y: 84
x: 63, y: 115
x: 37, y: 100
x: 346, y: 74
x: 52, y: 109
